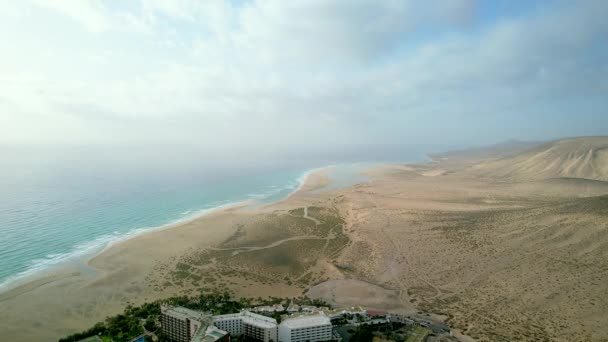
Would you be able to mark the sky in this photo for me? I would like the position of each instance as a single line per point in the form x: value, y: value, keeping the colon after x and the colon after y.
x: 302, y: 72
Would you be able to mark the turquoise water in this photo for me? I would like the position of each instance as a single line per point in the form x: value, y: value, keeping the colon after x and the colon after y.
x: 56, y: 207
x: 48, y: 223
x: 344, y: 175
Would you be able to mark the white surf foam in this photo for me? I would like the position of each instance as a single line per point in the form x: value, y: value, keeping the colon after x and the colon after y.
x: 86, y: 250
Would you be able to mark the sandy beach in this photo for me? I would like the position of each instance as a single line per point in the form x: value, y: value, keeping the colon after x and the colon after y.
x: 501, y: 259
x: 65, y: 299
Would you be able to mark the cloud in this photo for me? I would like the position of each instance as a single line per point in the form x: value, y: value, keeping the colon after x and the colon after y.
x: 94, y: 15
x: 297, y: 72
x: 91, y: 14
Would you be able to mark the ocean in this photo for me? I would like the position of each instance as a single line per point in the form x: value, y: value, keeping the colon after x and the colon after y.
x: 60, y: 205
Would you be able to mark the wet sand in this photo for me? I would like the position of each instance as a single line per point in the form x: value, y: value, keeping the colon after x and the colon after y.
x: 521, y: 260
x: 65, y: 300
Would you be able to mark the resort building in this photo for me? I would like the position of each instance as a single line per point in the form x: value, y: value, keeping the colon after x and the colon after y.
x: 249, y: 324
x: 310, y: 308
x: 180, y: 324
x: 293, y: 308
x: 211, y: 334
x: 376, y: 313
x: 354, y: 310
x: 269, y: 308
x: 397, y: 318
x: 306, y: 328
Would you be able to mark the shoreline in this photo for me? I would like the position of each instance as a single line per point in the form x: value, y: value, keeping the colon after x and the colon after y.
x: 175, y: 224
x: 437, y: 238
x: 134, y: 271
x: 46, y: 268
x: 74, y: 261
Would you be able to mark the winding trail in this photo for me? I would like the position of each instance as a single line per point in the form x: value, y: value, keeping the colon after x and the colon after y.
x: 400, y: 255
x: 257, y: 248
x: 242, y: 249
x: 317, y: 222
x: 331, y: 234
x: 403, y: 289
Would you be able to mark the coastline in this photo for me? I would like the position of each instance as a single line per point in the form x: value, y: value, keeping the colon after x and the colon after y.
x: 81, y: 293
x: 172, y: 225
x: 83, y: 259
x: 82, y: 254
x: 132, y: 271
x: 420, y: 238
x: 315, y: 179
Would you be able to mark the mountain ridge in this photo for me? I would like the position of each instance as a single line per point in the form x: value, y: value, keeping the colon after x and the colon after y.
x: 582, y: 157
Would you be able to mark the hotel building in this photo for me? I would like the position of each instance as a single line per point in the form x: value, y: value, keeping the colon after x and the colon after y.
x: 180, y: 324
x: 306, y: 328
x: 249, y: 324
x: 211, y: 334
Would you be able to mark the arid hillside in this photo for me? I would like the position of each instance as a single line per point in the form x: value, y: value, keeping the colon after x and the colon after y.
x: 501, y: 150
x: 585, y: 157
x: 518, y: 254
x: 504, y: 249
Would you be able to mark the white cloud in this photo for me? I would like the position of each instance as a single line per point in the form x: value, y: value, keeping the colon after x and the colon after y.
x: 299, y: 72
x: 94, y: 15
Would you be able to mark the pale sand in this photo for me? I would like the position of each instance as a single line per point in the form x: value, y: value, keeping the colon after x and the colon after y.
x: 53, y: 307
x: 66, y: 300
x: 315, y: 180
x: 345, y: 292
x: 508, y: 261
x: 504, y: 260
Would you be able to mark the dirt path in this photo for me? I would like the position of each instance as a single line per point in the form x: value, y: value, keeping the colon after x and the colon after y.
x: 317, y: 222
x: 237, y: 250
x: 401, y: 256
x: 257, y: 248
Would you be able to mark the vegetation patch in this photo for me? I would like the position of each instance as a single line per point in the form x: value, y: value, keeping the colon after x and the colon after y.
x: 136, y: 320
x: 282, y: 247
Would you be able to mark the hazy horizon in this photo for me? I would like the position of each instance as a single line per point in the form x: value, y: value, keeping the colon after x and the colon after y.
x: 295, y: 77
x: 270, y: 149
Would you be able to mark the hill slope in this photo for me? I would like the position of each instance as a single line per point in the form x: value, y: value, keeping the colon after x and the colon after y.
x: 501, y: 150
x: 585, y: 157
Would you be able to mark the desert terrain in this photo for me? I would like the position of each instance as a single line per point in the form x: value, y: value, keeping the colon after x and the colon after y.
x: 506, y: 245
x: 510, y: 249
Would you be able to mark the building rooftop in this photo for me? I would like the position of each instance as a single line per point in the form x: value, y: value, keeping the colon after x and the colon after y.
x: 184, y: 313
x: 269, y: 308
x: 260, y: 320
x: 251, y: 318
x: 215, y: 332
x: 211, y: 334
x: 333, y: 313
x: 306, y: 321
x: 228, y: 316
x: 376, y: 313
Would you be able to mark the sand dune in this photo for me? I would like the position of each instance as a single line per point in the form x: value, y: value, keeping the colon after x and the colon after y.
x: 508, y: 249
x: 585, y: 157
x: 500, y: 150
x: 516, y: 255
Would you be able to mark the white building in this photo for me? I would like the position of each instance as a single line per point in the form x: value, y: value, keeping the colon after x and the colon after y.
x: 396, y: 318
x: 293, y: 308
x: 306, y: 328
x: 309, y: 308
x: 249, y: 324
x: 181, y: 324
x: 269, y: 308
